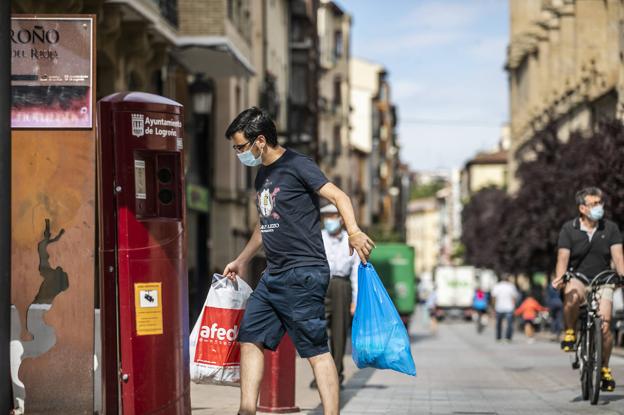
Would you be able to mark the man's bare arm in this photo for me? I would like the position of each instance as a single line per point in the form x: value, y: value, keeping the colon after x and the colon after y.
x: 563, y: 259
x: 236, y: 267
x: 358, y: 240
x: 617, y: 255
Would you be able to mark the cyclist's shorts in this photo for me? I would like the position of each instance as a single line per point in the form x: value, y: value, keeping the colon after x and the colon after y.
x: 605, y: 292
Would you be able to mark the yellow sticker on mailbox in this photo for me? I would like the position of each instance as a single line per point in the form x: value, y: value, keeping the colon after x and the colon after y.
x: 148, y: 308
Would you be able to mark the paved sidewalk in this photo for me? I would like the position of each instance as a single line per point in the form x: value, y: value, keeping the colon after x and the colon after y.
x: 459, y: 372
x: 223, y: 400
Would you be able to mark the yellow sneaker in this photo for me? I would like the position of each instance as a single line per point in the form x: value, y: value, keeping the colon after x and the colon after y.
x: 608, y: 383
x: 569, y: 341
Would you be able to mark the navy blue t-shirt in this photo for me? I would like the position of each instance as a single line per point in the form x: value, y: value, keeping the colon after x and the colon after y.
x: 288, y: 206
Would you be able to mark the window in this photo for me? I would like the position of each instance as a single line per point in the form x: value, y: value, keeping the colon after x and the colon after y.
x: 337, y: 141
x: 230, y: 9
x: 338, y: 44
x: 337, y: 92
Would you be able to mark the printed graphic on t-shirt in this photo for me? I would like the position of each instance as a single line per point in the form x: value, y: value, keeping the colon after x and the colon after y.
x: 266, y: 200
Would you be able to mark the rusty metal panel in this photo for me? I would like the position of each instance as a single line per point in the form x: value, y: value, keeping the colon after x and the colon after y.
x: 53, y: 268
x: 53, y: 261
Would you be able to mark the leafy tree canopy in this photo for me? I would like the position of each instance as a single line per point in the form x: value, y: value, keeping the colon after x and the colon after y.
x: 519, y: 233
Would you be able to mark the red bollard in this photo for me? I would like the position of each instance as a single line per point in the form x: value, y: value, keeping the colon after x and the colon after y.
x: 277, y: 392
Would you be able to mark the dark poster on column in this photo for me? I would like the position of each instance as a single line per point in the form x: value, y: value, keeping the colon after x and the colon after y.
x: 51, y: 72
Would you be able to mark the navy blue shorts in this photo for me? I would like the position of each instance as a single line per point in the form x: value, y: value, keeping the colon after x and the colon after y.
x: 292, y: 301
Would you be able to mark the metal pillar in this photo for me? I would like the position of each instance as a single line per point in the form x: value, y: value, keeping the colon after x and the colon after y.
x: 5, y: 207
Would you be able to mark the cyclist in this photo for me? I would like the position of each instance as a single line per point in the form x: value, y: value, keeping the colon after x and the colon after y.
x: 588, y: 244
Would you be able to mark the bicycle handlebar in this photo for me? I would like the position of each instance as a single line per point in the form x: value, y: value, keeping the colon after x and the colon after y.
x: 605, y: 277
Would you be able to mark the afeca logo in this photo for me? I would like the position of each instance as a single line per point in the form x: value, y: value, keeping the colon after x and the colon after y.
x: 215, y: 332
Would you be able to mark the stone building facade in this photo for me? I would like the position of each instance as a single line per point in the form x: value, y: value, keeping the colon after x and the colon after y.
x: 564, y: 62
x: 364, y: 76
x: 334, y: 31
x: 216, y: 57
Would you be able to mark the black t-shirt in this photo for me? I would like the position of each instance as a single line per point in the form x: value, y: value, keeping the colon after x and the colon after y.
x: 288, y: 206
x: 598, y: 257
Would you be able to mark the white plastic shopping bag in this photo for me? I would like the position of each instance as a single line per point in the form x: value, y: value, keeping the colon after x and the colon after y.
x: 214, y: 351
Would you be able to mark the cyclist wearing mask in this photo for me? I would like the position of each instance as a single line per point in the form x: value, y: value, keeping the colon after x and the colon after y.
x: 588, y: 244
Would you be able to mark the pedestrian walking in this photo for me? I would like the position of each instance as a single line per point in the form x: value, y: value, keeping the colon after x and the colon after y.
x: 528, y: 310
x: 505, y: 296
x: 290, y: 296
x: 432, y: 309
x: 480, y: 306
x: 342, y: 291
x: 555, y: 309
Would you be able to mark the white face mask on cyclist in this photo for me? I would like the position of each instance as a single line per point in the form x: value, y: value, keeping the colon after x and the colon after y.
x: 596, y: 213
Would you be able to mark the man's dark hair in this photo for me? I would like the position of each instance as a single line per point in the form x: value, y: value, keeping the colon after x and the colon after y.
x: 253, y: 122
x: 588, y: 191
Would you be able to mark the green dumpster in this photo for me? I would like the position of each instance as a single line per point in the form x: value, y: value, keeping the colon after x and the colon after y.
x: 394, y: 263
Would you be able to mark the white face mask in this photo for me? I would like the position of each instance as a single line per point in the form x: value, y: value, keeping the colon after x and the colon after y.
x: 248, y: 159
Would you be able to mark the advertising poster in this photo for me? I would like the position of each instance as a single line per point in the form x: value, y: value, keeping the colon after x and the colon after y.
x: 51, y: 67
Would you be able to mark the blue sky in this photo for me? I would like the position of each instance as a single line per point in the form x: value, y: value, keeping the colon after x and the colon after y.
x: 445, y: 59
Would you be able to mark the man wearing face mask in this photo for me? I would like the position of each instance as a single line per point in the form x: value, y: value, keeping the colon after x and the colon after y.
x: 290, y: 296
x: 589, y: 244
x: 342, y: 291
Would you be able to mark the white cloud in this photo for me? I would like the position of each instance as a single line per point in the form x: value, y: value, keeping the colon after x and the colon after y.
x: 449, y: 14
x: 445, y: 61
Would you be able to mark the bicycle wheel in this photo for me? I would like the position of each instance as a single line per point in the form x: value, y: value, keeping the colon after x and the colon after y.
x: 583, y: 360
x: 596, y: 359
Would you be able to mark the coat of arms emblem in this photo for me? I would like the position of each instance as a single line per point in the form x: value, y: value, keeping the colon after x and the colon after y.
x: 138, y: 125
x: 266, y: 203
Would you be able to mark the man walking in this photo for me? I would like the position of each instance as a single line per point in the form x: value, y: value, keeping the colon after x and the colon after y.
x: 505, y: 296
x: 290, y: 296
x: 342, y: 291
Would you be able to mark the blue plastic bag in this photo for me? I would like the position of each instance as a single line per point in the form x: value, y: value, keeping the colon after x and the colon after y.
x: 378, y: 336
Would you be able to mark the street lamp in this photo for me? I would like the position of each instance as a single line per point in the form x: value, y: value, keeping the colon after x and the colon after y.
x: 201, y: 95
x: 200, y: 181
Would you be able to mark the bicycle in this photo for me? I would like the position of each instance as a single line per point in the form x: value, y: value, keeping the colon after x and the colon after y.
x: 588, y: 348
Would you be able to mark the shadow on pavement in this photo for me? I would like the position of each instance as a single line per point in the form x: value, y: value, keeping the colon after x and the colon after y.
x: 605, y: 399
x: 351, y: 388
x: 419, y: 337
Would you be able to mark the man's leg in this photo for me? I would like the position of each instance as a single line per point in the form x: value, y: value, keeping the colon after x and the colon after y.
x: 605, y: 310
x: 340, y: 322
x: 573, y: 297
x: 331, y: 303
x: 557, y: 321
x: 509, y: 320
x: 252, y: 368
x: 499, y: 323
x: 327, y: 380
